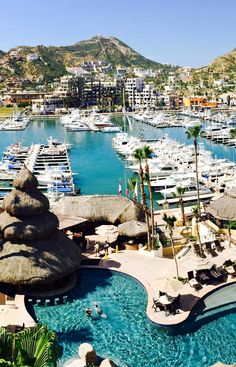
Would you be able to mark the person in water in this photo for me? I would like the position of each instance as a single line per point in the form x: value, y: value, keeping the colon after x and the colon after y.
x: 88, y: 311
x: 97, y: 309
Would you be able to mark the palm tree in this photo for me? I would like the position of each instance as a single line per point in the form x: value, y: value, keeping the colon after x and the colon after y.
x: 232, y: 133
x: 180, y: 193
x: 194, y: 133
x: 229, y: 226
x: 196, y: 214
x: 170, y: 221
x: 147, y: 154
x: 36, y: 347
x: 132, y: 182
x: 139, y: 156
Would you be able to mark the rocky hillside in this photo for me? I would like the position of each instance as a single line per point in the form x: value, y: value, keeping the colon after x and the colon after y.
x: 225, y: 64
x: 50, y: 62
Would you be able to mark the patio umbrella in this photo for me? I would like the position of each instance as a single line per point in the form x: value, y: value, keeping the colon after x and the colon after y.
x: 133, y: 228
x: 170, y: 286
x: 107, y: 230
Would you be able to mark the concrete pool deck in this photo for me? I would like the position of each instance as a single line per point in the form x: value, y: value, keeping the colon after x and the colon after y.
x: 147, y: 269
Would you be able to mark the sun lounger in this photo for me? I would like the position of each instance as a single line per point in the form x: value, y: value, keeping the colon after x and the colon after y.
x: 158, y: 306
x: 193, y: 281
x: 211, y: 250
x: 219, y: 246
x: 183, y: 252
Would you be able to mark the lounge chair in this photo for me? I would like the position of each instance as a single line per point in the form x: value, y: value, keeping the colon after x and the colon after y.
x: 219, y: 246
x: 157, y: 305
x: 197, y: 249
x: 202, y: 277
x: 211, y: 250
x: 174, y: 307
x: 215, y: 275
x: 193, y: 281
x: 228, y: 263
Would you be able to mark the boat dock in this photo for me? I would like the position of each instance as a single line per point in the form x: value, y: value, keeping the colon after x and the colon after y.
x: 50, y: 164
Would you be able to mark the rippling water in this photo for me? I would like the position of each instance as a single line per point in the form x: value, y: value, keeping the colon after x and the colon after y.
x: 97, y: 166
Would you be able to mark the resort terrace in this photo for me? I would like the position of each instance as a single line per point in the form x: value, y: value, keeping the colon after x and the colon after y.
x: 149, y: 270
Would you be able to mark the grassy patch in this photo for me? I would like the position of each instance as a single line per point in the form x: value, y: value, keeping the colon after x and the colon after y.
x: 8, y: 111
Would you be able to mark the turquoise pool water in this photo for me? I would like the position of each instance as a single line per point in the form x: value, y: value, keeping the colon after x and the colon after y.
x: 126, y: 335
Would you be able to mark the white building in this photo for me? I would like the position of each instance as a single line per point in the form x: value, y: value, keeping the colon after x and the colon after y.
x: 144, y: 73
x: 133, y: 85
x: 32, y: 57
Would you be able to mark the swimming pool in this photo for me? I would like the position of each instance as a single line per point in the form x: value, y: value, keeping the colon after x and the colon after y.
x: 126, y: 335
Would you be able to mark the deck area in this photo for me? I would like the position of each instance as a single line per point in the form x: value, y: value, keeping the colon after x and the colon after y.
x: 147, y: 269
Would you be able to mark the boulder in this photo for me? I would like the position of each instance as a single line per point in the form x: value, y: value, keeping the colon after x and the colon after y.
x: 108, y: 363
x: 110, y: 208
x: 87, y: 353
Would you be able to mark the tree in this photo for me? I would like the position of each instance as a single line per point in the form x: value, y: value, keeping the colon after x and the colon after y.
x: 180, y: 193
x: 232, y: 133
x: 196, y: 213
x: 32, y: 347
x: 132, y: 183
x: 139, y: 156
x: 194, y: 133
x: 229, y: 226
x: 147, y: 154
x: 170, y: 222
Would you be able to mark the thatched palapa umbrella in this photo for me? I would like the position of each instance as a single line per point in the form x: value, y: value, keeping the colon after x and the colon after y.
x: 35, y: 251
x: 224, y: 208
x: 133, y: 228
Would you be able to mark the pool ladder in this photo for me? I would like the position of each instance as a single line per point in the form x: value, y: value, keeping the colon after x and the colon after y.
x: 49, y: 302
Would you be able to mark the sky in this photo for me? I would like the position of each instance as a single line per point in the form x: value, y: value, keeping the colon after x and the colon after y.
x: 180, y: 32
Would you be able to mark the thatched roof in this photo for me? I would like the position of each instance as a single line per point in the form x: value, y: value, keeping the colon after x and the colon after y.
x: 133, y: 228
x: 224, y: 208
x: 31, y: 228
x: 39, y: 261
x: 110, y: 208
x: 24, y: 203
x: 37, y: 253
x: 25, y: 180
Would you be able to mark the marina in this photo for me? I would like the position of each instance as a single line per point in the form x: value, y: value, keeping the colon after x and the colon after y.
x: 89, y: 179
x: 50, y: 163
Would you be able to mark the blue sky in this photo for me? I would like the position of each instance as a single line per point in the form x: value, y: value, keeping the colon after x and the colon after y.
x: 183, y: 32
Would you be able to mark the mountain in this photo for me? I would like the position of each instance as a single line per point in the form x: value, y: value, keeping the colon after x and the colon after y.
x: 225, y: 64
x: 108, y: 49
x: 51, y: 62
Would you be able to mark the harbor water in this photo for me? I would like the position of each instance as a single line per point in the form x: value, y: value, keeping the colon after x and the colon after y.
x: 97, y: 167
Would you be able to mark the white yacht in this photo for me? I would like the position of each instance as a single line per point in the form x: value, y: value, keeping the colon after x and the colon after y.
x: 111, y: 129
x: 190, y: 190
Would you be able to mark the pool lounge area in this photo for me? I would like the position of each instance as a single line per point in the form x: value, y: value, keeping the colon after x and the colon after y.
x: 128, y: 337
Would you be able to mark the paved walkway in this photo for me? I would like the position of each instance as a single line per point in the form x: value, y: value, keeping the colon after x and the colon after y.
x: 15, y: 313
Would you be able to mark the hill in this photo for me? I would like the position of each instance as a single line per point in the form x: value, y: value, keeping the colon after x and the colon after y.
x: 51, y: 62
x: 225, y: 64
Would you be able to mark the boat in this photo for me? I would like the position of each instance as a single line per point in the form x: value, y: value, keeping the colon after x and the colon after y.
x: 190, y: 190
x: 111, y: 129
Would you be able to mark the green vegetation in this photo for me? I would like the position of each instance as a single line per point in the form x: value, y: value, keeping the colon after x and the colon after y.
x: 32, y: 347
x: 8, y: 111
x: 170, y: 222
